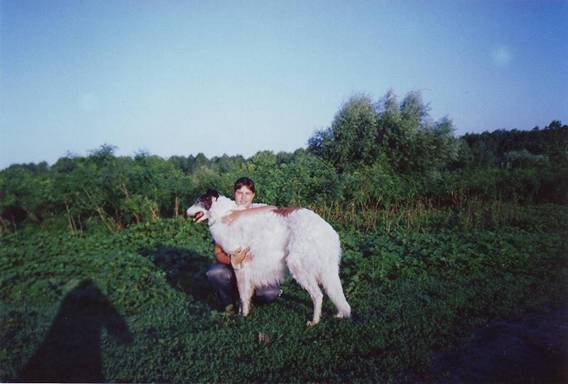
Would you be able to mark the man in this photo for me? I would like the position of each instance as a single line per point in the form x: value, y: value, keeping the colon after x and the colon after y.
x: 221, y: 275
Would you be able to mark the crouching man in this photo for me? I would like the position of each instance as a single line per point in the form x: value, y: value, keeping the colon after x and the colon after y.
x: 221, y: 275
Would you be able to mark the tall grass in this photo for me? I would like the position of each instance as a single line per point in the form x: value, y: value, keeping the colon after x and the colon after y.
x: 423, y: 214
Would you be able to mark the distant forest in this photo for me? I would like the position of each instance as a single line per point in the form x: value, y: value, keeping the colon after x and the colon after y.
x: 376, y: 155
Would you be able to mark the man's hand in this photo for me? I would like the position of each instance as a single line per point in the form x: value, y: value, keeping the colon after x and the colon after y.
x: 239, y: 256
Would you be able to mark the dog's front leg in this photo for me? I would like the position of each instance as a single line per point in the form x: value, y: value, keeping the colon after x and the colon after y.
x: 245, y: 290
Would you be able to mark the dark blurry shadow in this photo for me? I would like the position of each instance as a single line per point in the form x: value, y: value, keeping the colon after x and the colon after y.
x: 185, y: 270
x: 71, y: 351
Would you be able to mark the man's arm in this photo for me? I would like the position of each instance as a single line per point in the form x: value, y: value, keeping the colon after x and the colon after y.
x: 235, y: 214
x: 221, y: 256
x: 238, y: 256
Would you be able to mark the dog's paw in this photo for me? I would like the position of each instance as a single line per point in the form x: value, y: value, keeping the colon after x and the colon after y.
x: 311, y: 323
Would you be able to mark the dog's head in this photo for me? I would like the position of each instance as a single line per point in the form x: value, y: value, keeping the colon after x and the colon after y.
x: 199, y: 211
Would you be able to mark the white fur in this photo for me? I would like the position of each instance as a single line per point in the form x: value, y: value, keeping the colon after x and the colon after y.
x: 302, y: 243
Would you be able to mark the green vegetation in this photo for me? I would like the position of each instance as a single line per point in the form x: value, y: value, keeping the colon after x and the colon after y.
x: 439, y: 234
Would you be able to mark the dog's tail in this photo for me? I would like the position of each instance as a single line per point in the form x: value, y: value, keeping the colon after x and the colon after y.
x: 332, y: 285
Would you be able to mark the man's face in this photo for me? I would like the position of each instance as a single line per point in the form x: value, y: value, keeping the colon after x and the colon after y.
x: 244, y: 197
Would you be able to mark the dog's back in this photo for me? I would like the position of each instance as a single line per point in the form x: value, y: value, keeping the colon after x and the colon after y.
x: 277, y: 241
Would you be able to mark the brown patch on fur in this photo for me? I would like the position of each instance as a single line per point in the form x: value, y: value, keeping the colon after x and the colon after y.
x: 206, y: 201
x: 285, y: 211
x: 207, y: 198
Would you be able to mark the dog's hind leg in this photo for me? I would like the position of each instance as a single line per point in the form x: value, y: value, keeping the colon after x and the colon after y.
x: 332, y: 285
x: 310, y: 284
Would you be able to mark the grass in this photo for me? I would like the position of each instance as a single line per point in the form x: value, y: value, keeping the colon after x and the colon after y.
x: 135, y: 306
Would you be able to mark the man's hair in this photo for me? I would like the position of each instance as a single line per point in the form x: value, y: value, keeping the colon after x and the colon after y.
x: 244, y: 182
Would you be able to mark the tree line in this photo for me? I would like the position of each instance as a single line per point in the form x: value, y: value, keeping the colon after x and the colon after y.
x: 375, y: 155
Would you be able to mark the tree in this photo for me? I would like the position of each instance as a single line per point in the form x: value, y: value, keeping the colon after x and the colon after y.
x: 351, y: 139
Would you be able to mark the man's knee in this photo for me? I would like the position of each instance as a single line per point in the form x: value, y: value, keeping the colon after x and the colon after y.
x: 267, y: 294
x: 219, y: 274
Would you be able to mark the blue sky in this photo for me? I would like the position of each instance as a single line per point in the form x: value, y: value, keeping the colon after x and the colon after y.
x: 183, y: 77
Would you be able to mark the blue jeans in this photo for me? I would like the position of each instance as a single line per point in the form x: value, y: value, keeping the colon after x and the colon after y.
x: 223, y: 281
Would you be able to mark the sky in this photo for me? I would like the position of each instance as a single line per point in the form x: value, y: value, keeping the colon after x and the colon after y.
x: 238, y: 77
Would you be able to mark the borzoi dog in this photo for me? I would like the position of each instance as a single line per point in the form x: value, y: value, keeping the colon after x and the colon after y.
x: 297, y: 240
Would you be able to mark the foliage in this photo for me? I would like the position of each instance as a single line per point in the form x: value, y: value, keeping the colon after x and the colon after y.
x: 538, y: 145
x: 400, y: 135
x: 412, y: 293
x: 384, y: 155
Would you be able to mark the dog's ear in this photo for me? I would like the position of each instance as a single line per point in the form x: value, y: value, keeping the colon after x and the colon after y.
x: 213, y: 193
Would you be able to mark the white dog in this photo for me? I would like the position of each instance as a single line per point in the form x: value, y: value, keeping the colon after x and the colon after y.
x: 297, y: 240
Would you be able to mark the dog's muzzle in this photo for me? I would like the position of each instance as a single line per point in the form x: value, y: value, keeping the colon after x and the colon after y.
x: 198, y: 217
